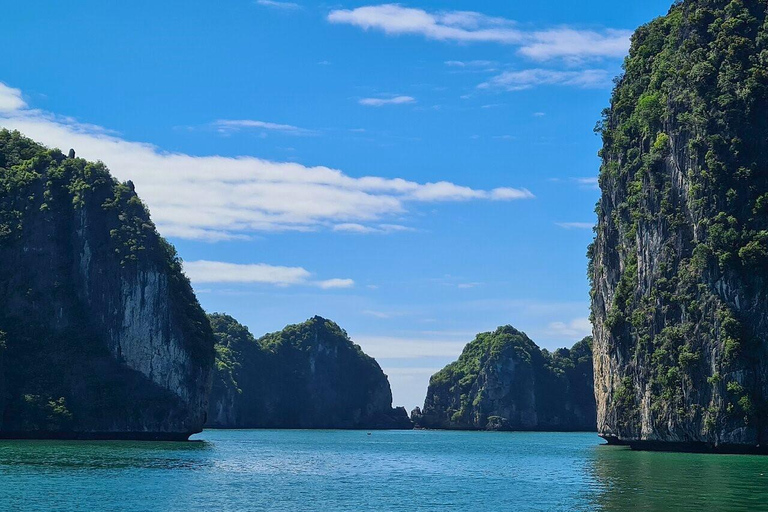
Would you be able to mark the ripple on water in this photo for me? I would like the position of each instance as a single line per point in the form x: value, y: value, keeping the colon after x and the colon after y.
x: 387, y: 471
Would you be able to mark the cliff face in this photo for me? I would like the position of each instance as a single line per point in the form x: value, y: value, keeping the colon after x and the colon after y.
x: 308, y: 375
x: 680, y: 260
x: 503, y: 381
x: 100, y: 332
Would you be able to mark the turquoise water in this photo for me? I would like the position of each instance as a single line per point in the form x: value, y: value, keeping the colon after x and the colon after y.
x: 386, y: 471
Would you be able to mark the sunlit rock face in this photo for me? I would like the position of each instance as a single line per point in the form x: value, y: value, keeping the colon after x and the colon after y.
x: 503, y: 381
x: 680, y: 259
x: 102, y: 334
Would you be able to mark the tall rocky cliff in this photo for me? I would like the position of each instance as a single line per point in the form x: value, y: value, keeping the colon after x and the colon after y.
x: 503, y: 381
x: 680, y: 259
x: 308, y: 375
x: 100, y: 333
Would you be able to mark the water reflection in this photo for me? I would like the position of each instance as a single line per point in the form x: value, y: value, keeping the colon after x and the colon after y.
x: 53, y: 456
x: 653, y: 481
x: 388, y: 471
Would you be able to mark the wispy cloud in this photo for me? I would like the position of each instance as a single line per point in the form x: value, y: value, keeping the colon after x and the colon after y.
x: 390, y: 347
x: 10, y: 99
x: 351, y: 227
x: 204, y: 271
x: 575, y: 225
x: 574, y: 329
x: 575, y: 44
x: 591, y: 182
x: 379, y: 314
x: 528, y: 78
x: 330, y: 284
x: 288, y: 6
x: 445, y: 190
x: 380, y: 102
x: 219, y: 198
x: 472, y: 66
x: 470, y: 63
x: 464, y: 26
x: 236, y: 125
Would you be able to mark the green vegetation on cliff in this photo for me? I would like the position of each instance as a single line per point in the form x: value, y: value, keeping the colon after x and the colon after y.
x: 679, y: 263
x: 308, y: 375
x: 503, y: 381
x: 76, y: 249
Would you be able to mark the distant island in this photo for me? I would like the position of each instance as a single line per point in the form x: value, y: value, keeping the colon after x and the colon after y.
x: 102, y: 336
x: 307, y: 376
x: 504, y: 381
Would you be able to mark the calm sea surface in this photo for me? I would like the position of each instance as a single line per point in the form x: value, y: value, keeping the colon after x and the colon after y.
x: 398, y: 471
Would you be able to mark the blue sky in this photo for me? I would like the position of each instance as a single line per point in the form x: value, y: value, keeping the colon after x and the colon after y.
x: 417, y: 172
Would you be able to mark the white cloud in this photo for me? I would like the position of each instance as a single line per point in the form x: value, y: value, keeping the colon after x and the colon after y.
x: 464, y: 26
x: 446, y: 191
x: 335, y: 283
x: 278, y: 5
x: 351, y: 227
x: 389, y: 347
x: 470, y: 63
x: 528, y: 78
x: 577, y: 44
x: 379, y: 314
x: 591, y: 182
x: 204, y: 271
x: 575, y: 225
x: 392, y: 228
x: 220, y: 198
x: 575, y: 329
x: 380, y: 102
x: 235, y: 125
x: 10, y: 99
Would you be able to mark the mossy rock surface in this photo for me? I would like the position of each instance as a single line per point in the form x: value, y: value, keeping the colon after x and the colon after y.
x: 100, y: 332
x: 680, y: 260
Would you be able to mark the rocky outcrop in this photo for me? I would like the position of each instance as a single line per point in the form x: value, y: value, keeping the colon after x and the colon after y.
x: 100, y: 333
x: 503, y: 381
x: 680, y: 259
x: 307, y: 376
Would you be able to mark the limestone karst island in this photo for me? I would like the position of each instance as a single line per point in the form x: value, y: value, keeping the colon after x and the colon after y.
x: 438, y: 256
